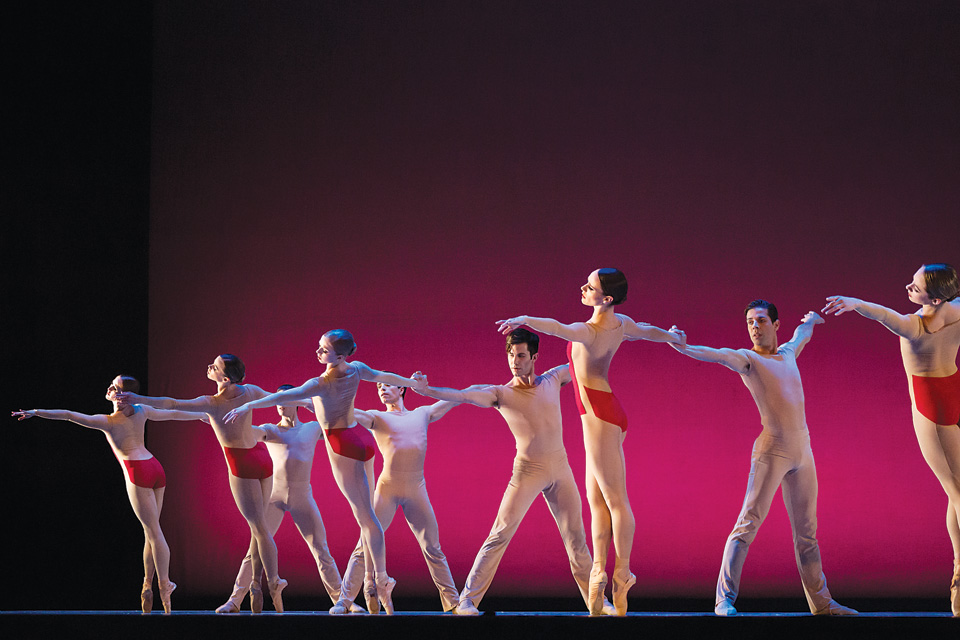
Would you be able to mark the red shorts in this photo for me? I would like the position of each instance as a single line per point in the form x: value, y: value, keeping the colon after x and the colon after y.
x: 252, y: 463
x: 145, y: 473
x: 353, y: 442
x: 938, y: 399
x: 605, y: 405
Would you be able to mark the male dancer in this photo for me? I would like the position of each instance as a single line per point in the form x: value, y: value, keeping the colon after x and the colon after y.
x: 401, y: 436
x: 291, y: 445
x: 530, y: 404
x: 781, y: 454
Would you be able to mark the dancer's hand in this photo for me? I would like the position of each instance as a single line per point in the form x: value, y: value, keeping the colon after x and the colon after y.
x: 128, y: 397
x: 236, y: 414
x: 812, y: 317
x: 506, y: 326
x: 419, y: 382
x: 23, y: 414
x: 680, y: 334
x: 840, y: 304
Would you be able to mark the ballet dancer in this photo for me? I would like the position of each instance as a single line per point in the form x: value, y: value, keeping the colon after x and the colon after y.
x: 530, y: 404
x: 401, y: 436
x: 350, y: 449
x: 929, y: 340
x: 591, y: 348
x: 291, y: 445
x: 781, y: 454
x: 144, y: 475
x: 250, y: 468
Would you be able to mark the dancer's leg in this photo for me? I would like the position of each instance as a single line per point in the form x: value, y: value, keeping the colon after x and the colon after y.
x: 563, y: 499
x: 423, y: 523
x: 306, y: 515
x: 146, y: 505
x: 252, y: 496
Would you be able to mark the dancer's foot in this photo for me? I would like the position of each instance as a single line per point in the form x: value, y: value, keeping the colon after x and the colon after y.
x: 725, y: 608
x: 608, y: 609
x: 165, y: 590
x: 256, y: 597
x: 622, y: 581
x: 276, y: 588
x: 339, y: 609
x: 466, y: 608
x: 955, y: 591
x: 598, y: 584
x: 370, y: 597
x: 232, y: 605
x: 146, y: 597
x: 834, y: 608
x: 385, y: 587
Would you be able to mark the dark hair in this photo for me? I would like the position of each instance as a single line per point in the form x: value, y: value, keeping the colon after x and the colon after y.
x: 129, y: 384
x: 940, y: 281
x: 523, y: 336
x: 342, y: 342
x: 614, y: 284
x: 284, y: 387
x: 763, y: 304
x: 403, y: 390
x: 233, y: 368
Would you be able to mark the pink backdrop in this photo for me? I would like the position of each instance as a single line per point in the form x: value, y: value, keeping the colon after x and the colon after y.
x: 414, y: 172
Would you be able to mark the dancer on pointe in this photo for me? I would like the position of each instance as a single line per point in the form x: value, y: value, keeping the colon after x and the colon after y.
x: 781, y: 455
x: 144, y: 476
x: 591, y: 348
x: 350, y: 449
x: 530, y: 404
x: 929, y: 341
x: 291, y: 445
x: 251, y: 469
x: 401, y: 436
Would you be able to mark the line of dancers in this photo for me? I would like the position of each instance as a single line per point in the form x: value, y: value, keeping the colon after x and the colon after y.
x: 270, y: 465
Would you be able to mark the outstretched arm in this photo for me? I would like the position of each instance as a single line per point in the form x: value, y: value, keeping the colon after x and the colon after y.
x: 201, y: 403
x: 439, y: 409
x: 910, y: 326
x: 804, y: 331
x: 372, y: 375
x: 479, y: 395
x: 152, y: 413
x: 289, y: 396
x: 99, y: 421
x: 576, y: 332
x: 363, y: 418
x: 730, y: 358
x: 644, y: 331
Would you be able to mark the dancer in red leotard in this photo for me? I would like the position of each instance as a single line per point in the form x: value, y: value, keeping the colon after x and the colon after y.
x: 592, y: 347
x: 144, y: 475
x: 929, y: 341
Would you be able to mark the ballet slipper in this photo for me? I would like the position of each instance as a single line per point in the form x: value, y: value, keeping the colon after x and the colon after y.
x: 955, y: 591
x: 166, y: 588
x: 385, y: 587
x: 370, y: 596
x: 256, y: 597
x: 339, y: 609
x: 598, y: 584
x: 466, y: 608
x: 622, y: 581
x: 276, y: 588
x: 232, y: 605
x: 146, y: 597
x: 608, y: 609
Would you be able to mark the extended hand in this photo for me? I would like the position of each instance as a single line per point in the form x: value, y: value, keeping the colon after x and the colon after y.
x: 419, y: 382
x: 680, y: 334
x: 236, y: 414
x: 23, y: 414
x: 506, y: 326
x: 812, y: 317
x: 840, y: 304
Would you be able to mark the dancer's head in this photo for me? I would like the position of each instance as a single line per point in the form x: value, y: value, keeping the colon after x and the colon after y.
x: 939, y: 283
x: 522, y: 348
x: 122, y: 383
x: 762, y: 322
x: 335, y: 346
x: 233, y: 368
x: 390, y: 394
x: 286, y: 411
x: 604, y: 287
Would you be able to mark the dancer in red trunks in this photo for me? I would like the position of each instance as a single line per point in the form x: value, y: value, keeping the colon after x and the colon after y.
x: 929, y: 341
x: 591, y: 349
x: 250, y: 467
x: 349, y: 447
x: 143, y: 474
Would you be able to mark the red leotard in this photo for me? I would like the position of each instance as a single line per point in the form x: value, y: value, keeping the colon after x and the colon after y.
x: 605, y: 405
x: 145, y: 473
x: 352, y: 442
x: 938, y: 399
x: 253, y: 463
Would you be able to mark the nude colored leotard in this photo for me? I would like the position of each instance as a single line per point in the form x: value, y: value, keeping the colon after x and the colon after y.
x: 605, y: 405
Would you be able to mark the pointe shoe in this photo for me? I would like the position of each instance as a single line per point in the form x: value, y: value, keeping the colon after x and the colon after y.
x: 385, y: 593
x: 146, y: 597
x: 165, y: 591
x: 370, y: 596
x: 608, y: 609
x: 466, y: 608
x: 232, y: 605
x: 256, y: 598
x: 621, y: 585
x: 355, y: 608
x: 725, y: 608
x: 598, y: 584
x: 834, y: 608
x: 955, y: 593
x: 275, y: 594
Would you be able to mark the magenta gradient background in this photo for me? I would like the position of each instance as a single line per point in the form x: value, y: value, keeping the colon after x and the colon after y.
x: 416, y: 171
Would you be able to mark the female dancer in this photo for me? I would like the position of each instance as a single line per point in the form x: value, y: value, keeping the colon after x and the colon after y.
x: 144, y: 476
x: 591, y: 347
x: 349, y: 447
x: 251, y: 469
x: 929, y: 341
